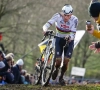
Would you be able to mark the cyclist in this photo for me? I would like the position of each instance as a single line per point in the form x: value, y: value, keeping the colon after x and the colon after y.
x: 66, y: 26
x: 94, y: 11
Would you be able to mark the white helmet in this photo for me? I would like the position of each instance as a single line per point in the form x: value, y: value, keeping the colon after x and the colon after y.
x: 67, y: 9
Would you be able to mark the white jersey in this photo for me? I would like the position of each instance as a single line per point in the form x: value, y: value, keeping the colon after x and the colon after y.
x: 63, y: 29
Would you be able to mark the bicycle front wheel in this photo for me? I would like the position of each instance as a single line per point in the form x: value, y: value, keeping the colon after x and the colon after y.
x: 48, y: 67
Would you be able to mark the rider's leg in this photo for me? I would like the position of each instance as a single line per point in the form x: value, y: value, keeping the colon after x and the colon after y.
x: 68, y: 54
x: 58, y: 58
x: 57, y: 65
x: 64, y: 68
x: 58, y: 61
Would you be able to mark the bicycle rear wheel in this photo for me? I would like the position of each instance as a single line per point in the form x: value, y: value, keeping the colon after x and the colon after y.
x: 48, y: 67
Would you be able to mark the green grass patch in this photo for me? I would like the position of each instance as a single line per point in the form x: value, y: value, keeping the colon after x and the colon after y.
x: 38, y: 87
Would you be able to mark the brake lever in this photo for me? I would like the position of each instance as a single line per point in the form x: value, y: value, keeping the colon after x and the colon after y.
x: 67, y: 39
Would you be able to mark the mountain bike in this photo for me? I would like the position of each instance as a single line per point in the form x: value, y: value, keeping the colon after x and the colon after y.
x: 49, y: 59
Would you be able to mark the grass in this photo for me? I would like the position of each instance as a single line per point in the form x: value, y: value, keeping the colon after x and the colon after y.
x: 38, y: 87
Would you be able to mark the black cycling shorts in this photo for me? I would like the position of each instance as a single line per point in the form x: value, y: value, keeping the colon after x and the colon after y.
x: 59, y: 43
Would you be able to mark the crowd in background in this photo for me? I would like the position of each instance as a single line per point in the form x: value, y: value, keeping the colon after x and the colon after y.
x: 12, y: 72
x: 75, y: 80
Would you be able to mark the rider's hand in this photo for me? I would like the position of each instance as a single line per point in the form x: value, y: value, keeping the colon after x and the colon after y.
x: 68, y: 38
x: 48, y: 32
x: 44, y: 33
x: 90, y: 29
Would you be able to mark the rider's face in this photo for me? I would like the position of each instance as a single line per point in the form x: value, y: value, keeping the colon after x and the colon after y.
x: 66, y: 17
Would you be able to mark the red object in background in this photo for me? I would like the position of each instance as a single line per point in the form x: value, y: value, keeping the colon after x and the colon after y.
x: 0, y: 36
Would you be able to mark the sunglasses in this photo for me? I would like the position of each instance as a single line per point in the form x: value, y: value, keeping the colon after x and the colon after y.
x: 66, y: 14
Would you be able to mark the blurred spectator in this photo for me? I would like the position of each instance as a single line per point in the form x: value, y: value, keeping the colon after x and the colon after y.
x: 11, y: 55
x: 1, y: 56
x: 8, y: 60
x: 31, y: 79
x: 2, y: 74
x: 23, y: 73
x: 7, y: 68
x: 2, y: 65
x: 27, y: 78
x: 17, y: 71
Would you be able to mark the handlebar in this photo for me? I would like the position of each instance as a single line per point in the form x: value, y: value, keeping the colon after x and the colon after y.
x: 50, y: 33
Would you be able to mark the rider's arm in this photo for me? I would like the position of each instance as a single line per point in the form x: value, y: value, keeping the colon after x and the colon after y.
x: 74, y: 28
x: 50, y: 22
x: 46, y: 26
x: 96, y: 33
